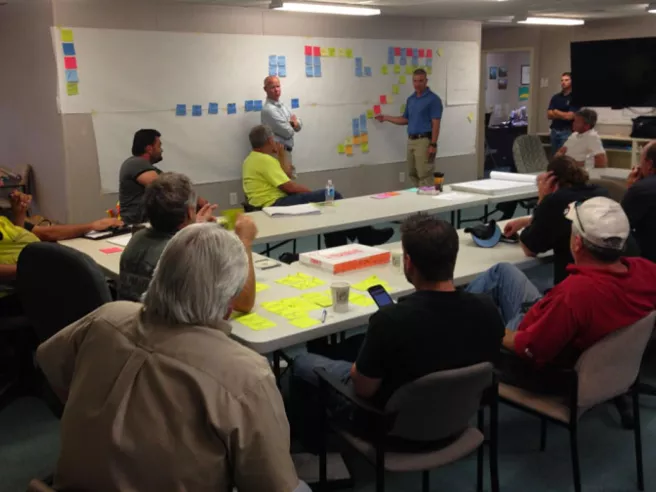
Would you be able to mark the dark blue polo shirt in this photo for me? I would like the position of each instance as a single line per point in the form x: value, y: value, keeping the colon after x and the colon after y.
x: 561, y: 102
x: 420, y: 111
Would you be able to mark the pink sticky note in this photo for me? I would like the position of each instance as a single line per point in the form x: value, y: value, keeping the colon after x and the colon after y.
x: 382, y: 196
x: 316, y: 51
x: 421, y: 52
x: 429, y: 53
x: 308, y: 50
x: 383, y: 99
x: 397, y: 51
x: 70, y: 62
x: 377, y: 109
x: 408, y: 51
x: 109, y: 251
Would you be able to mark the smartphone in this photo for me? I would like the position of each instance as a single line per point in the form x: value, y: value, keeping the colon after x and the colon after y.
x: 380, y: 296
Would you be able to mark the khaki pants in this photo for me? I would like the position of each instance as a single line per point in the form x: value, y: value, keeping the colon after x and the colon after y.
x: 420, y: 170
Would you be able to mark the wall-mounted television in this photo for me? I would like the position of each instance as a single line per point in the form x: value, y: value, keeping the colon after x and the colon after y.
x: 619, y: 73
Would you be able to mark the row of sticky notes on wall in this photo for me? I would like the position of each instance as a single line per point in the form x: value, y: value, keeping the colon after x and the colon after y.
x: 231, y: 108
x: 405, y: 53
x: 70, y: 62
x: 409, y: 69
x: 277, y: 66
x: 312, y: 66
x: 329, y: 52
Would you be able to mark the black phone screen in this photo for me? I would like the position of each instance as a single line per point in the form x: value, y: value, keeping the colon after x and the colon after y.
x: 380, y: 296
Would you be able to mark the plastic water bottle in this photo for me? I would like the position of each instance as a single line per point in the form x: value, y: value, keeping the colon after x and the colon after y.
x: 330, y: 192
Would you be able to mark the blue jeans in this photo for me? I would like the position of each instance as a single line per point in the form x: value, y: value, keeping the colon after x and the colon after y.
x: 558, y: 138
x: 510, y: 289
x: 316, y: 196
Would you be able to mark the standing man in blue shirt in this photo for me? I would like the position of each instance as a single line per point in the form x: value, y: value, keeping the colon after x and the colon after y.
x: 561, y: 113
x: 423, y: 113
x: 281, y: 120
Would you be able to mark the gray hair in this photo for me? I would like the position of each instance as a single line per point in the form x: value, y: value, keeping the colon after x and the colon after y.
x: 167, y: 200
x: 589, y: 116
x: 199, y: 273
x: 259, y: 136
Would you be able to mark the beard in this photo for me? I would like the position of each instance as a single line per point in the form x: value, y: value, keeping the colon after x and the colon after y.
x: 154, y: 159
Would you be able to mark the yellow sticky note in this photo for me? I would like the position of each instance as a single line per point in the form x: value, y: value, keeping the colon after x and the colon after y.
x: 72, y: 88
x: 321, y: 299
x: 364, y: 138
x: 301, y: 281
x: 304, y: 322
x: 324, y: 51
x: 409, y: 70
x: 402, y: 79
x: 365, y: 148
x: 370, y: 114
x: 357, y: 140
x: 390, y: 99
x: 341, y: 52
x: 340, y: 149
x: 397, y: 68
x: 429, y: 70
x: 331, y: 51
x: 384, y: 70
x: 395, y: 89
x: 440, y: 52
x: 231, y: 217
x: 260, y: 287
x: 349, y: 150
x: 349, y: 53
x: 67, y: 35
x: 348, y: 141
x: 363, y: 300
x: 255, y: 322
x: 402, y: 108
x: 470, y: 117
x: 370, y: 282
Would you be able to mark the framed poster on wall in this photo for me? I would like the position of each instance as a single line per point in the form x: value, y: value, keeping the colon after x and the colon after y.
x: 526, y: 75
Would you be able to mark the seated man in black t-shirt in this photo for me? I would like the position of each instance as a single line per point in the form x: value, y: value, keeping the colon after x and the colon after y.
x: 548, y: 229
x: 434, y: 329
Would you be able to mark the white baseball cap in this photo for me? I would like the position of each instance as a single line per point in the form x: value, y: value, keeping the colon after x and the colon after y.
x: 601, y: 221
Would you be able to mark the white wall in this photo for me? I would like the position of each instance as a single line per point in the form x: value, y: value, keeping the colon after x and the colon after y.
x: 513, y: 61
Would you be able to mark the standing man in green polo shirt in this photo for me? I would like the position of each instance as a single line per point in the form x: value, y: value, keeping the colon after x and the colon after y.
x: 423, y: 114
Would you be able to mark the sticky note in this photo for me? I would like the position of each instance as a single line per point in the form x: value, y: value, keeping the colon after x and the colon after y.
x: 295, y: 104
x: 367, y: 71
x: 321, y: 299
x: 317, y: 61
x: 196, y: 110
x: 109, y: 251
x: 383, y: 99
x: 370, y: 114
x: 397, y: 69
x: 358, y: 61
x: 324, y: 51
x: 331, y: 52
x: 397, y: 51
x: 370, y: 282
x: 309, y: 60
x: 421, y: 52
x: 308, y: 50
x: 429, y: 70
x: 357, y: 140
x: 358, y: 71
x: 376, y: 109
x: 429, y: 53
x: 403, y: 61
x: 213, y: 108
x: 341, y: 52
x: 382, y: 196
x: 409, y: 70
x: 341, y: 149
x: 316, y: 51
x: 356, y: 126
x: 257, y: 105
x: 349, y: 53
x: 71, y: 76
x: 273, y: 60
x: 282, y: 61
x: 415, y: 52
x: 440, y: 52
x: 273, y: 71
x: 402, y: 108
x: 304, y: 322
x: 402, y: 79
x: 249, y: 105
x: 317, y: 70
x: 384, y: 70
x: 70, y: 62
x: 349, y: 150
x: 415, y: 61
x: 429, y: 62
x: 232, y: 108
x: 408, y: 51
x: 309, y: 71
x: 69, y: 49
x: 259, y: 287
x: 255, y: 322
x: 181, y: 110
x: 390, y: 99
x: 470, y: 117
x: 282, y: 72
x: 395, y: 89
x: 67, y: 35
x: 363, y: 123
x: 363, y: 300
x: 390, y: 56
x: 348, y: 141
x: 301, y: 281
x: 364, y: 147
x: 231, y: 216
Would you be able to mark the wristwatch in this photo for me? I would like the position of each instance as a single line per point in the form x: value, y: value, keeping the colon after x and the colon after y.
x: 434, y: 145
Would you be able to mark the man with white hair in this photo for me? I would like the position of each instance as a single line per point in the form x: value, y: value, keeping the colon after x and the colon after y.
x: 158, y: 396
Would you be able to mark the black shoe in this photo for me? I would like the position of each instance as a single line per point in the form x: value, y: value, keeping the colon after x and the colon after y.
x: 374, y: 237
x: 288, y: 258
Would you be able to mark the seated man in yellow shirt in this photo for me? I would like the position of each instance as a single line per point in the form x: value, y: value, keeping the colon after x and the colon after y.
x: 267, y: 184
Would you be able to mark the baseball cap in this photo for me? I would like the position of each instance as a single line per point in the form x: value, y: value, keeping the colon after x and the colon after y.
x: 485, y: 235
x: 601, y: 221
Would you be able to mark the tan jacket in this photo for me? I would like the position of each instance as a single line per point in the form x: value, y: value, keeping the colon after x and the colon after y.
x: 164, y: 408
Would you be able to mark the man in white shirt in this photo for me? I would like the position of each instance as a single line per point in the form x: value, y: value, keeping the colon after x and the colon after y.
x: 281, y: 120
x: 585, y: 141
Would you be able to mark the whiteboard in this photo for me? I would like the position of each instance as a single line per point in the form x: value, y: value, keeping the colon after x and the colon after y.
x: 134, y: 79
x: 607, y: 116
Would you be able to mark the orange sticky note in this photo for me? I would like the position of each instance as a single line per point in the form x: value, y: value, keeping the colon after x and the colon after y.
x: 349, y: 150
x: 357, y: 139
x: 364, y: 138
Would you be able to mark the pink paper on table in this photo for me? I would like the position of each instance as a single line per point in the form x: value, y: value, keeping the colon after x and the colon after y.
x: 397, y: 51
x: 70, y: 62
x: 421, y: 52
x: 316, y: 51
x: 383, y: 99
x: 109, y: 251
x: 308, y: 50
x: 408, y: 51
x: 376, y: 109
x: 389, y: 194
x: 429, y: 53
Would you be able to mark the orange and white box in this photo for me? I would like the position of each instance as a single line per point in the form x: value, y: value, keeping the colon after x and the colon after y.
x: 346, y: 258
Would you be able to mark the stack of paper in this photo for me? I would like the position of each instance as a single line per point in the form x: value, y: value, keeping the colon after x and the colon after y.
x: 346, y: 258
x: 500, y: 183
x: 120, y: 240
x: 307, y: 209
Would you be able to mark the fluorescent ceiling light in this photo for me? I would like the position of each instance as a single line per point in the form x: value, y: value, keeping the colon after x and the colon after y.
x: 317, y: 8
x: 552, y: 21
x: 651, y: 8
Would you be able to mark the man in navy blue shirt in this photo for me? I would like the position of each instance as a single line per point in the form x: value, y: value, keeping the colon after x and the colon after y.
x: 561, y: 113
x: 423, y: 113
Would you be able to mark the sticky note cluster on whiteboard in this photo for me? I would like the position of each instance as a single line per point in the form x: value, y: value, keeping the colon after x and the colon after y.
x: 313, y: 61
x: 277, y: 66
x: 70, y: 62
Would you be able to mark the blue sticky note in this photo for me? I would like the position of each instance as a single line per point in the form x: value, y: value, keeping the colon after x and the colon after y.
x: 358, y: 71
x: 282, y: 61
x: 356, y: 127
x: 249, y: 106
x: 69, y: 49
x: 282, y: 71
x: 367, y: 71
x: 317, y: 70
x: 403, y: 60
x: 213, y: 108
x: 358, y: 62
x: 363, y: 123
x: 232, y: 108
x: 429, y: 62
x: 390, y: 58
x: 309, y: 60
x: 273, y: 71
x: 415, y: 61
x: 309, y: 71
x: 317, y: 61
x: 181, y: 110
x: 71, y: 76
x: 295, y: 104
x: 273, y: 60
x: 415, y: 52
x: 257, y: 105
x: 196, y: 110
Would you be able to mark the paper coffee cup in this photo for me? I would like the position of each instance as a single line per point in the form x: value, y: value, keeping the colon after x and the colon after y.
x: 340, y: 293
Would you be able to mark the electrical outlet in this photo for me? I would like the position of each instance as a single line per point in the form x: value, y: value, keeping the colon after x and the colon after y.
x: 401, y: 177
x: 233, y: 198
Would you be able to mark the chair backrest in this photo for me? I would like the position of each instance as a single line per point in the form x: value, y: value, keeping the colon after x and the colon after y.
x: 250, y: 208
x: 439, y: 404
x: 39, y: 486
x: 616, y: 189
x: 58, y: 285
x: 611, y: 366
x: 529, y: 154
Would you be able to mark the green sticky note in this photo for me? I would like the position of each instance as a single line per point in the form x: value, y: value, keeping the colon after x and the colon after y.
x: 429, y: 70
x: 370, y: 114
x: 324, y: 51
x: 397, y: 68
x: 384, y: 70
x: 440, y: 52
x: 349, y: 53
x: 341, y: 52
x: 331, y: 51
x: 341, y: 149
x: 260, y: 287
x: 67, y: 35
x: 231, y: 217
x: 402, y: 79
x: 72, y: 88
x: 408, y: 70
x: 255, y: 322
x: 395, y: 89
x: 402, y: 108
x: 365, y: 148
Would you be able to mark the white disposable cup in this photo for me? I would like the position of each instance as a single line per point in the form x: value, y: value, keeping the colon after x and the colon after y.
x: 340, y: 293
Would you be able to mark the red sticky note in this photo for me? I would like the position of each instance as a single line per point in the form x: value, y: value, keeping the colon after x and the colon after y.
x: 377, y: 109
x: 397, y: 51
x: 70, y: 62
x: 408, y: 51
x: 429, y: 53
x: 109, y: 251
x: 383, y: 99
x: 308, y: 50
x: 316, y: 51
x: 421, y: 52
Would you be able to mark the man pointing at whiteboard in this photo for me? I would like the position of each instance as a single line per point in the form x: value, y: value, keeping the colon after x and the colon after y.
x: 423, y: 113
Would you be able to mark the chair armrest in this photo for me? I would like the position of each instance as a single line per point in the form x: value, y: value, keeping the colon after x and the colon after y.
x: 328, y: 382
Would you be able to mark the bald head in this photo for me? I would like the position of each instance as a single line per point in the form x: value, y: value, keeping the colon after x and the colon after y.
x: 648, y: 159
x: 272, y: 87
